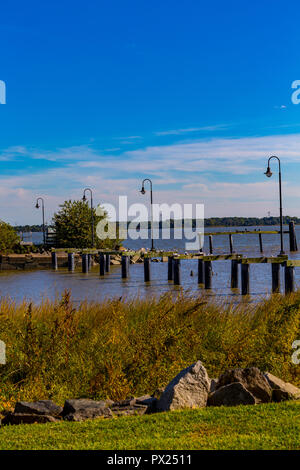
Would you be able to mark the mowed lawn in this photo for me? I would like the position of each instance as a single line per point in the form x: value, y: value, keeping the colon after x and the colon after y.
x: 271, y: 426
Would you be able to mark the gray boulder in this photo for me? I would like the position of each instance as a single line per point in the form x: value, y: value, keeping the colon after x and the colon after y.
x: 281, y: 390
x: 252, y: 379
x: 189, y: 389
x: 41, y: 407
x: 82, y: 409
x: 231, y: 395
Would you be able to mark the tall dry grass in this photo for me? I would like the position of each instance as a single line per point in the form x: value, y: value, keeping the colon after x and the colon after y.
x: 119, y: 348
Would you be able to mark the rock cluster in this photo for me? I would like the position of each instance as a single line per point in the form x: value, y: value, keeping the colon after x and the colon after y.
x: 191, y: 388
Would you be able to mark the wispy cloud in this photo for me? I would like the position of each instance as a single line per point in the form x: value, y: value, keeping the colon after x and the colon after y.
x: 208, y: 171
x: 192, y: 129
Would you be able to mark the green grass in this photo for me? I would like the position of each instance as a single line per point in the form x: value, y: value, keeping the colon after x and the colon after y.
x: 271, y: 426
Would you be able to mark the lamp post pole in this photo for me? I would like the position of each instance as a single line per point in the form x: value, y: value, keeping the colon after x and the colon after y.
x: 43, y: 214
x: 151, y: 201
x: 92, y: 210
x: 268, y: 173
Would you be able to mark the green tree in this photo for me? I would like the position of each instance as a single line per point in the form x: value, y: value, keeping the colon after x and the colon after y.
x: 9, y: 238
x: 73, y: 228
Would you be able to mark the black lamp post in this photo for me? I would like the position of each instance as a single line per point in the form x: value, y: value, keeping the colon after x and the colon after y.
x: 151, y: 201
x: 43, y: 213
x: 92, y: 209
x: 268, y: 173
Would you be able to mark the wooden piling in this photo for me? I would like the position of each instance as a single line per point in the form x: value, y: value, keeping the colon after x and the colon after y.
x: 54, y: 259
x: 230, y: 243
x: 147, y: 269
x: 275, y: 277
x: 107, y: 263
x: 125, y: 266
x: 234, y: 274
x: 170, y: 268
x: 71, y: 262
x: 292, y: 236
x: 210, y: 244
x: 177, y: 272
x: 101, y: 264
x: 207, y: 274
x: 289, y: 278
x: 245, y: 282
x: 85, y: 263
x: 260, y: 243
x: 200, y: 271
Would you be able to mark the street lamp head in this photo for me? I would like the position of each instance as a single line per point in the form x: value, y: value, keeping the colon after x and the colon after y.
x: 84, y: 198
x: 37, y: 205
x: 143, y: 190
x: 268, y: 173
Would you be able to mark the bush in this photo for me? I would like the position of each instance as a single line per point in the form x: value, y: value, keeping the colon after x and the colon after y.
x: 9, y: 238
x: 72, y: 225
x: 120, y: 348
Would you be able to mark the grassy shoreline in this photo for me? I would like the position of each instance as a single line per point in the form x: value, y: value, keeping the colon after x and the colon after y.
x: 120, y: 348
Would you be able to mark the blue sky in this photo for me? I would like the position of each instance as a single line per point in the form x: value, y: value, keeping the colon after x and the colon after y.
x: 195, y: 95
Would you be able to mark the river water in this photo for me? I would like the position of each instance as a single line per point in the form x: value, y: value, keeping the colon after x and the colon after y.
x: 39, y: 284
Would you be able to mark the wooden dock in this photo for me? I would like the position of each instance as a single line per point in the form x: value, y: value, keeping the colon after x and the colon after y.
x: 174, y: 259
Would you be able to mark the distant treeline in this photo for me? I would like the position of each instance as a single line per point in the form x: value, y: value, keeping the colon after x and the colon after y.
x: 210, y: 222
x: 28, y: 228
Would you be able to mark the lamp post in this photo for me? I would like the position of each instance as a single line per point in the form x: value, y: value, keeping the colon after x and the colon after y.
x: 92, y: 209
x: 43, y: 213
x: 268, y: 173
x: 151, y: 201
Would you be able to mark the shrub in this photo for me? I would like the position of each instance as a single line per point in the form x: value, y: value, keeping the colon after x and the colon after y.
x: 119, y: 348
x: 9, y: 238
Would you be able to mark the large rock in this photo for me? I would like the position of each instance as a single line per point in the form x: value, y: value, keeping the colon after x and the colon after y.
x: 41, y: 407
x: 252, y: 379
x: 189, y: 389
x: 231, y: 395
x: 82, y: 409
x: 282, y: 390
x: 27, y: 418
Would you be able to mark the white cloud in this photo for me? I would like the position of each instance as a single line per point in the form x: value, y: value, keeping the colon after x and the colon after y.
x: 203, y: 171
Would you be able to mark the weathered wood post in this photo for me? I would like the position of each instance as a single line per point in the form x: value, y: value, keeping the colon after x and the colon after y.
x: 275, y: 277
x: 54, y: 259
x: 177, y: 272
x: 147, y: 269
x: 200, y: 271
x: 210, y: 244
x: 230, y: 243
x: 85, y: 263
x: 245, y: 281
x: 170, y: 268
x: 107, y: 263
x: 90, y: 261
x: 125, y: 266
x: 260, y: 243
x: 207, y: 274
x: 289, y: 278
x: 293, y: 239
x: 101, y: 264
x: 71, y: 262
x: 234, y: 274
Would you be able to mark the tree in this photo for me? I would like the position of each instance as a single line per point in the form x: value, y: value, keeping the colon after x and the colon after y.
x: 73, y: 228
x: 9, y: 238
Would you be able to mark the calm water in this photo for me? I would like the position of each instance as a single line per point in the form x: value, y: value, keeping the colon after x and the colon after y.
x: 36, y: 285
